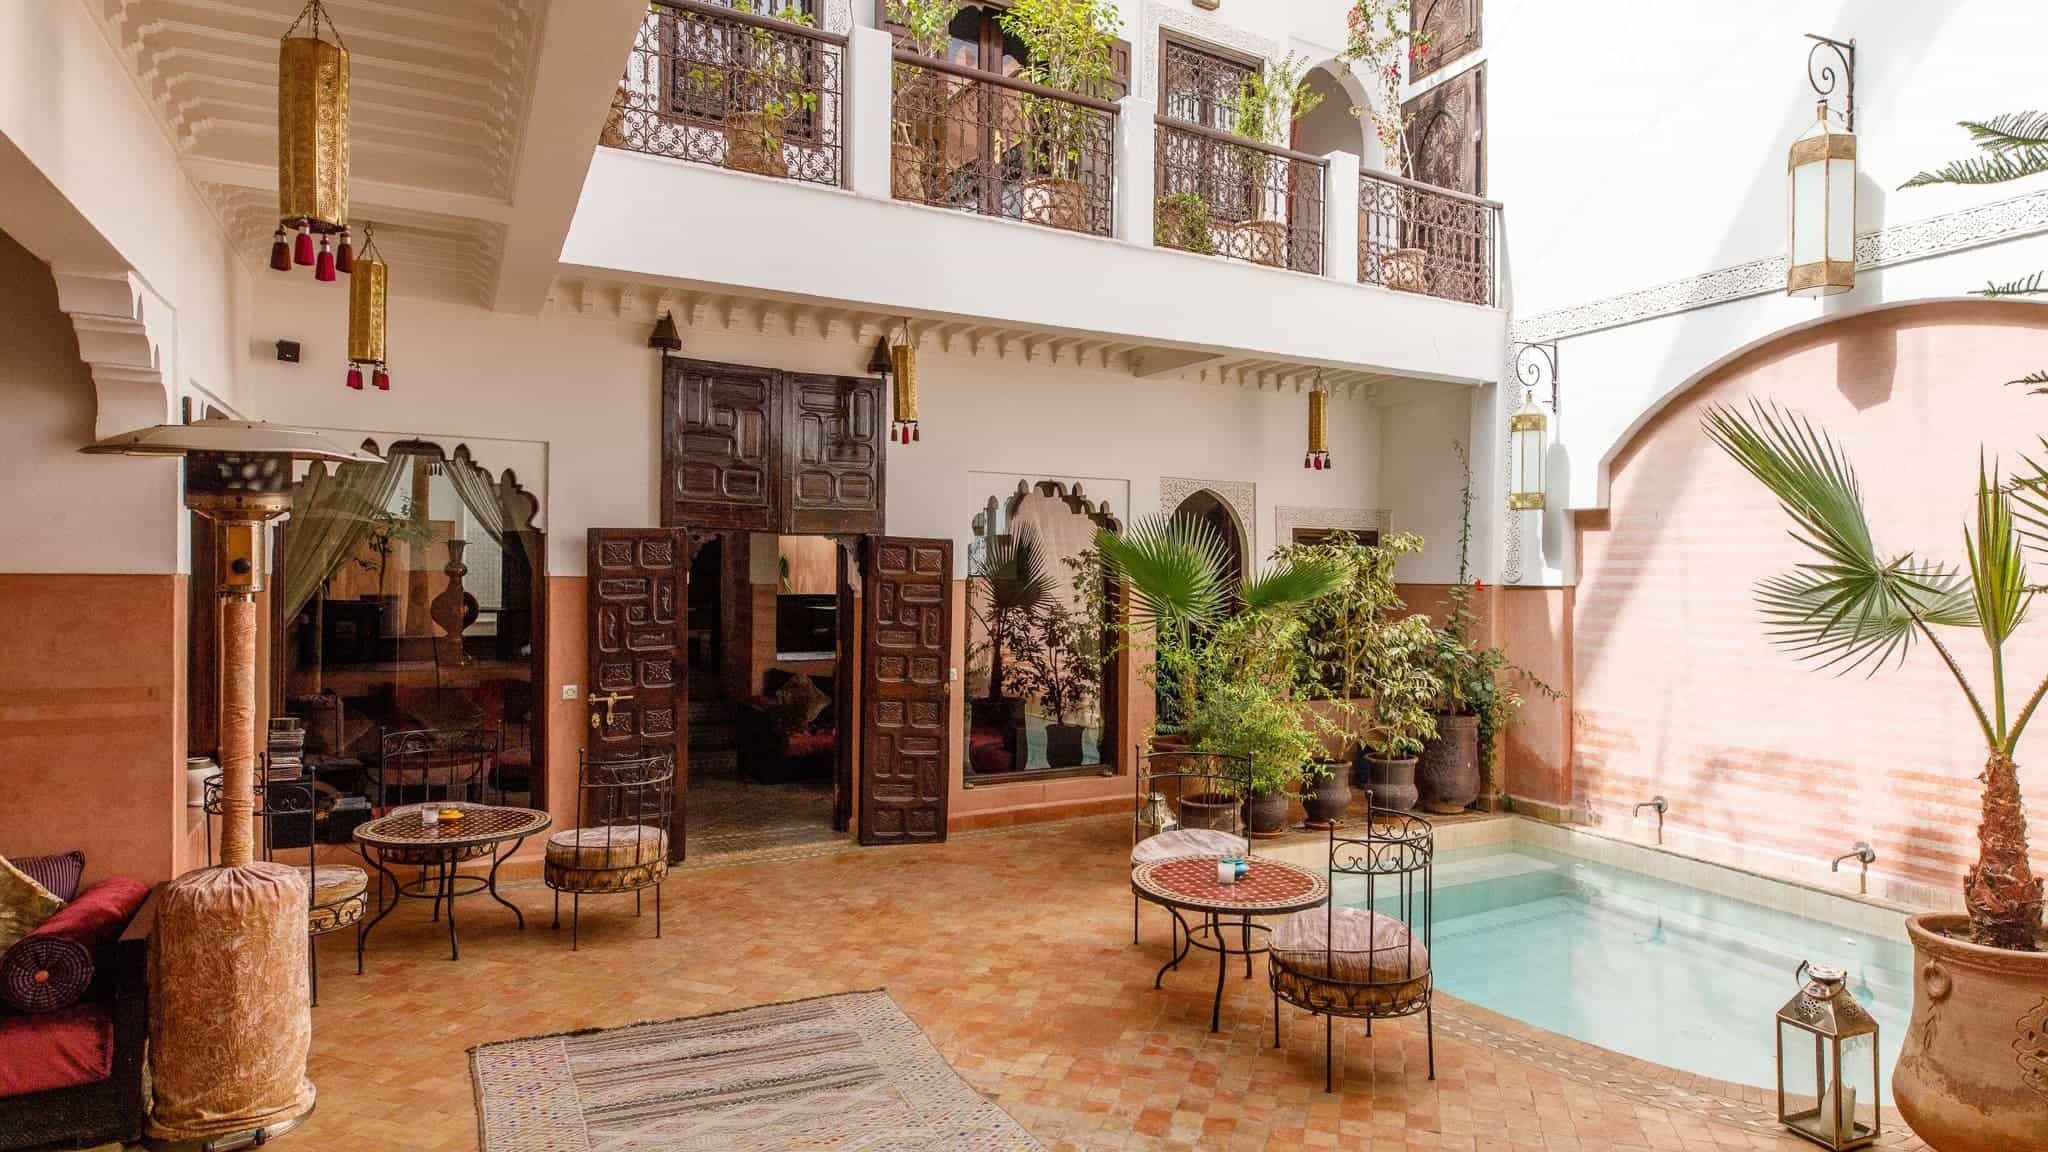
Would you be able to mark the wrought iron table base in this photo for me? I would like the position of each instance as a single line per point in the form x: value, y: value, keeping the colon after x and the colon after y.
x: 445, y: 883
x: 1212, y: 935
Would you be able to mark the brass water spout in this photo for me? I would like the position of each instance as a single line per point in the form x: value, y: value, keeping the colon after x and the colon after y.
x: 1659, y: 803
x: 1864, y: 853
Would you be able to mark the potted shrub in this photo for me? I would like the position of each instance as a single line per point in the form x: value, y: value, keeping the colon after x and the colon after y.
x: 919, y: 95
x: 1255, y: 718
x: 762, y: 84
x: 1268, y: 103
x: 1380, y: 37
x: 1006, y: 585
x: 1404, y: 692
x: 1068, y: 45
x: 1181, y: 220
x: 1059, y: 660
x: 1981, y: 996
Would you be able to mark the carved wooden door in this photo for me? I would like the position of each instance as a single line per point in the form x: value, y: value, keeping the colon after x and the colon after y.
x: 832, y: 473
x: 719, y: 469
x: 638, y: 690
x: 906, y: 656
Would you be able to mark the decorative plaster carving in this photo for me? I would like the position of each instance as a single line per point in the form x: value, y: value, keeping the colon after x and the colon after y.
x: 1200, y: 27
x: 2009, y: 219
x: 839, y: 16
x: 1241, y: 495
x: 1287, y: 517
x: 122, y: 328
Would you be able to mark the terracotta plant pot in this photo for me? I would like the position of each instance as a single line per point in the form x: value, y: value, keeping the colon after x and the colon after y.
x: 907, y: 172
x: 1973, y: 1075
x: 1326, y: 800
x: 1063, y: 745
x: 1057, y: 202
x: 1209, y: 810
x: 1261, y: 242
x: 1266, y: 813
x: 1392, y: 783
x: 1448, y: 772
x: 1405, y: 269
x: 753, y: 143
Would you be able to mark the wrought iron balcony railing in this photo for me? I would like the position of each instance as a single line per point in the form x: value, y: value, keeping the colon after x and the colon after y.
x: 726, y: 86
x: 1414, y: 237
x: 999, y: 146
x: 1228, y: 196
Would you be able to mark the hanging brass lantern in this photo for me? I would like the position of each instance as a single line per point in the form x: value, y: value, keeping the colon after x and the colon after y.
x: 1526, y: 431
x: 312, y: 148
x: 903, y: 428
x: 1318, y: 457
x: 367, y: 292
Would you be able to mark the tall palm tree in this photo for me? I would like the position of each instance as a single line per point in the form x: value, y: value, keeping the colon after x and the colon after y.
x: 1006, y: 585
x: 1850, y: 607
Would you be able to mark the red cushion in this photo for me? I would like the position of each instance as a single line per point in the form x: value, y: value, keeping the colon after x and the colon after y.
x: 987, y: 751
x: 804, y: 745
x: 52, y: 967
x: 56, y: 1050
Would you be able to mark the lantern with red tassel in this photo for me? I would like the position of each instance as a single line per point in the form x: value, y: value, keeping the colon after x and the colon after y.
x: 312, y: 147
x: 1318, y: 457
x: 366, y: 298
x: 903, y: 358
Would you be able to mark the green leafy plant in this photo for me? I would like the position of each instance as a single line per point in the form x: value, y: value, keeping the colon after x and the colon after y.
x: 760, y: 72
x: 1068, y: 45
x: 1181, y: 220
x: 1251, y: 715
x: 1397, y: 669
x: 1058, y: 659
x: 1271, y: 99
x: 1379, y: 35
x: 1853, y: 607
x: 928, y: 23
x: 1340, y: 625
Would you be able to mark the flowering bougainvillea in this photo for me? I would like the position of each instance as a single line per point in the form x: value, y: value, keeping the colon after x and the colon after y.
x: 1378, y: 33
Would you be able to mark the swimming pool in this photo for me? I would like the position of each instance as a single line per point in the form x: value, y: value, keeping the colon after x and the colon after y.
x: 1656, y: 970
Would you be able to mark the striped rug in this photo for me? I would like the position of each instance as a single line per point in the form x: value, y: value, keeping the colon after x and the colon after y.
x: 846, y: 1073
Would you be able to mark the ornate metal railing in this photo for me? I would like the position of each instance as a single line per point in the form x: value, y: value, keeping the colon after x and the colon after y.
x: 999, y: 146
x: 1416, y: 238
x: 1225, y: 195
x: 726, y: 86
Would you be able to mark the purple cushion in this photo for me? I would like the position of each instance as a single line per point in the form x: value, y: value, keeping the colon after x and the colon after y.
x: 58, y: 873
x: 51, y: 968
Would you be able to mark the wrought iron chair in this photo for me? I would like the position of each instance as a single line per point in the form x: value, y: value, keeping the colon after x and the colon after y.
x: 620, y: 842
x: 1188, y: 804
x: 424, y: 765
x: 337, y: 895
x: 1369, y: 963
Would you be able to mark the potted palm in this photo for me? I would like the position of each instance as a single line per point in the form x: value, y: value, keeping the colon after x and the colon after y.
x: 1268, y: 103
x: 1176, y: 570
x: 1068, y: 43
x: 1983, y: 974
x: 1006, y: 586
x: 919, y: 95
x: 1404, y: 691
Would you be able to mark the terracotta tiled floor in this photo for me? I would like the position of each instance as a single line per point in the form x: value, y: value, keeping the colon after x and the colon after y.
x: 1012, y: 950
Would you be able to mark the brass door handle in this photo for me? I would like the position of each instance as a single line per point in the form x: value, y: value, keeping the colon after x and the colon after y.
x: 609, y: 699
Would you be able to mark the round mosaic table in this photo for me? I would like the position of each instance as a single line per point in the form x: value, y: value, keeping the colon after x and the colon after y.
x: 1188, y: 884
x: 410, y: 831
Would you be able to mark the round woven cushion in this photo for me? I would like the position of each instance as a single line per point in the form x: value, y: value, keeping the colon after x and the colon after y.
x: 1350, y: 946
x: 340, y: 896
x: 601, y: 849
x: 1187, y: 842
x: 45, y: 973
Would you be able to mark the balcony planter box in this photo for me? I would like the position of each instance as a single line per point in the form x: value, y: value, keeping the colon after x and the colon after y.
x: 1405, y: 269
x: 1448, y: 771
x: 906, y: 172
x: 753, y: 143
x: 1057, y: 202
x: 1973, y: 1073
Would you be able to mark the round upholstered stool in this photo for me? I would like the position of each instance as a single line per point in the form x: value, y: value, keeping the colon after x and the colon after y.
x: 605, y: 861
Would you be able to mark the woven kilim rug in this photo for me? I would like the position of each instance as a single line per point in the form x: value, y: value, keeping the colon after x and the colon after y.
x: 844, y: 1072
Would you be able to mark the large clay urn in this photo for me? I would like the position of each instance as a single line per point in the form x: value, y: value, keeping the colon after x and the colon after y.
x: 1447, y: 773
x: 1973, y: 1075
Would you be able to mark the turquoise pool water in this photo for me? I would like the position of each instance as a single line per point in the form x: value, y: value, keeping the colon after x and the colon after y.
x: 1656, y: 970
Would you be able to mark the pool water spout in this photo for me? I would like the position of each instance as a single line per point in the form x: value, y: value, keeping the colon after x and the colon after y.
x: 1659, y: 803
x: 1863, y: 853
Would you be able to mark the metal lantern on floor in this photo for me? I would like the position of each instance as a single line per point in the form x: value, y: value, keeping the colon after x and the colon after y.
x: 312, y: 148
x: 1526, y: 433
x: 1827, y: 1063
x: 230, y: 1024
x: 1318, y: 457
x: 367, y: 294
x: 903, y: 392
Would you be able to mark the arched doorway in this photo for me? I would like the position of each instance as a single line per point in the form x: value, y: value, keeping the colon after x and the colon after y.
x: 1211, y: 509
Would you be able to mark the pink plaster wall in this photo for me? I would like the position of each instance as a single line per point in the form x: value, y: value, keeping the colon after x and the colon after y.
x: 1676, y: 689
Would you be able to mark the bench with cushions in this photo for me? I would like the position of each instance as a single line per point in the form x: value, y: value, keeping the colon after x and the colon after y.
x: 778, y: 741
x: 74, y: 1015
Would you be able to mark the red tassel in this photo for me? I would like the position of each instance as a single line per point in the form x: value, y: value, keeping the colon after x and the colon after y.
x: 355, y: 379
x: 1308, y: 459
x: 345, y: 262
x: 302, y: 248
x: 382, y: 380
x: 323, y: 269
x: 280, y: 252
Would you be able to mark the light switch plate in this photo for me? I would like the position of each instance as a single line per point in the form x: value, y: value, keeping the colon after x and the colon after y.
x: 568, y: 691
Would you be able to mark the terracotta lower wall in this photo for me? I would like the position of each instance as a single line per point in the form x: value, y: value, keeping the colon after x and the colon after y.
x: 92, y: 721
x: 1677, y: 688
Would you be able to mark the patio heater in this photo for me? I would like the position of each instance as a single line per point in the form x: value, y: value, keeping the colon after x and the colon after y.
x: 230, y: 1021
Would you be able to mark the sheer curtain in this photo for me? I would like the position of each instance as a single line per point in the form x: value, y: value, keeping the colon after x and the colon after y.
x: 499, y: 507
x: 332, y: 513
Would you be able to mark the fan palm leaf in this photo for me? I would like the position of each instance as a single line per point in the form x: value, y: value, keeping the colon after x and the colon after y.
x: 1014, y: 574
x: 1998, y: 571
x: 2011, y: 132
x: 1290, y: 584
x: 1174, y: 566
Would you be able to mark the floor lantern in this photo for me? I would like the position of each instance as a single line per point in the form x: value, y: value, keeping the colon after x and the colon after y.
x: 1827, y: 1041
x: 312, y: 148
x: 230, y: 1022
x: 1821, y: 177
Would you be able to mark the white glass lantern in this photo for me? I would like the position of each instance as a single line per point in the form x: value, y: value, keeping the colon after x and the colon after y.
x: 1822, y: 184
x: 1525, y: 435
x: 1827, y: 1063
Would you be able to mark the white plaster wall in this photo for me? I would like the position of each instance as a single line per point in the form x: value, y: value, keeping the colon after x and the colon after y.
x: 588, y: 390
x: 1419, y: 477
